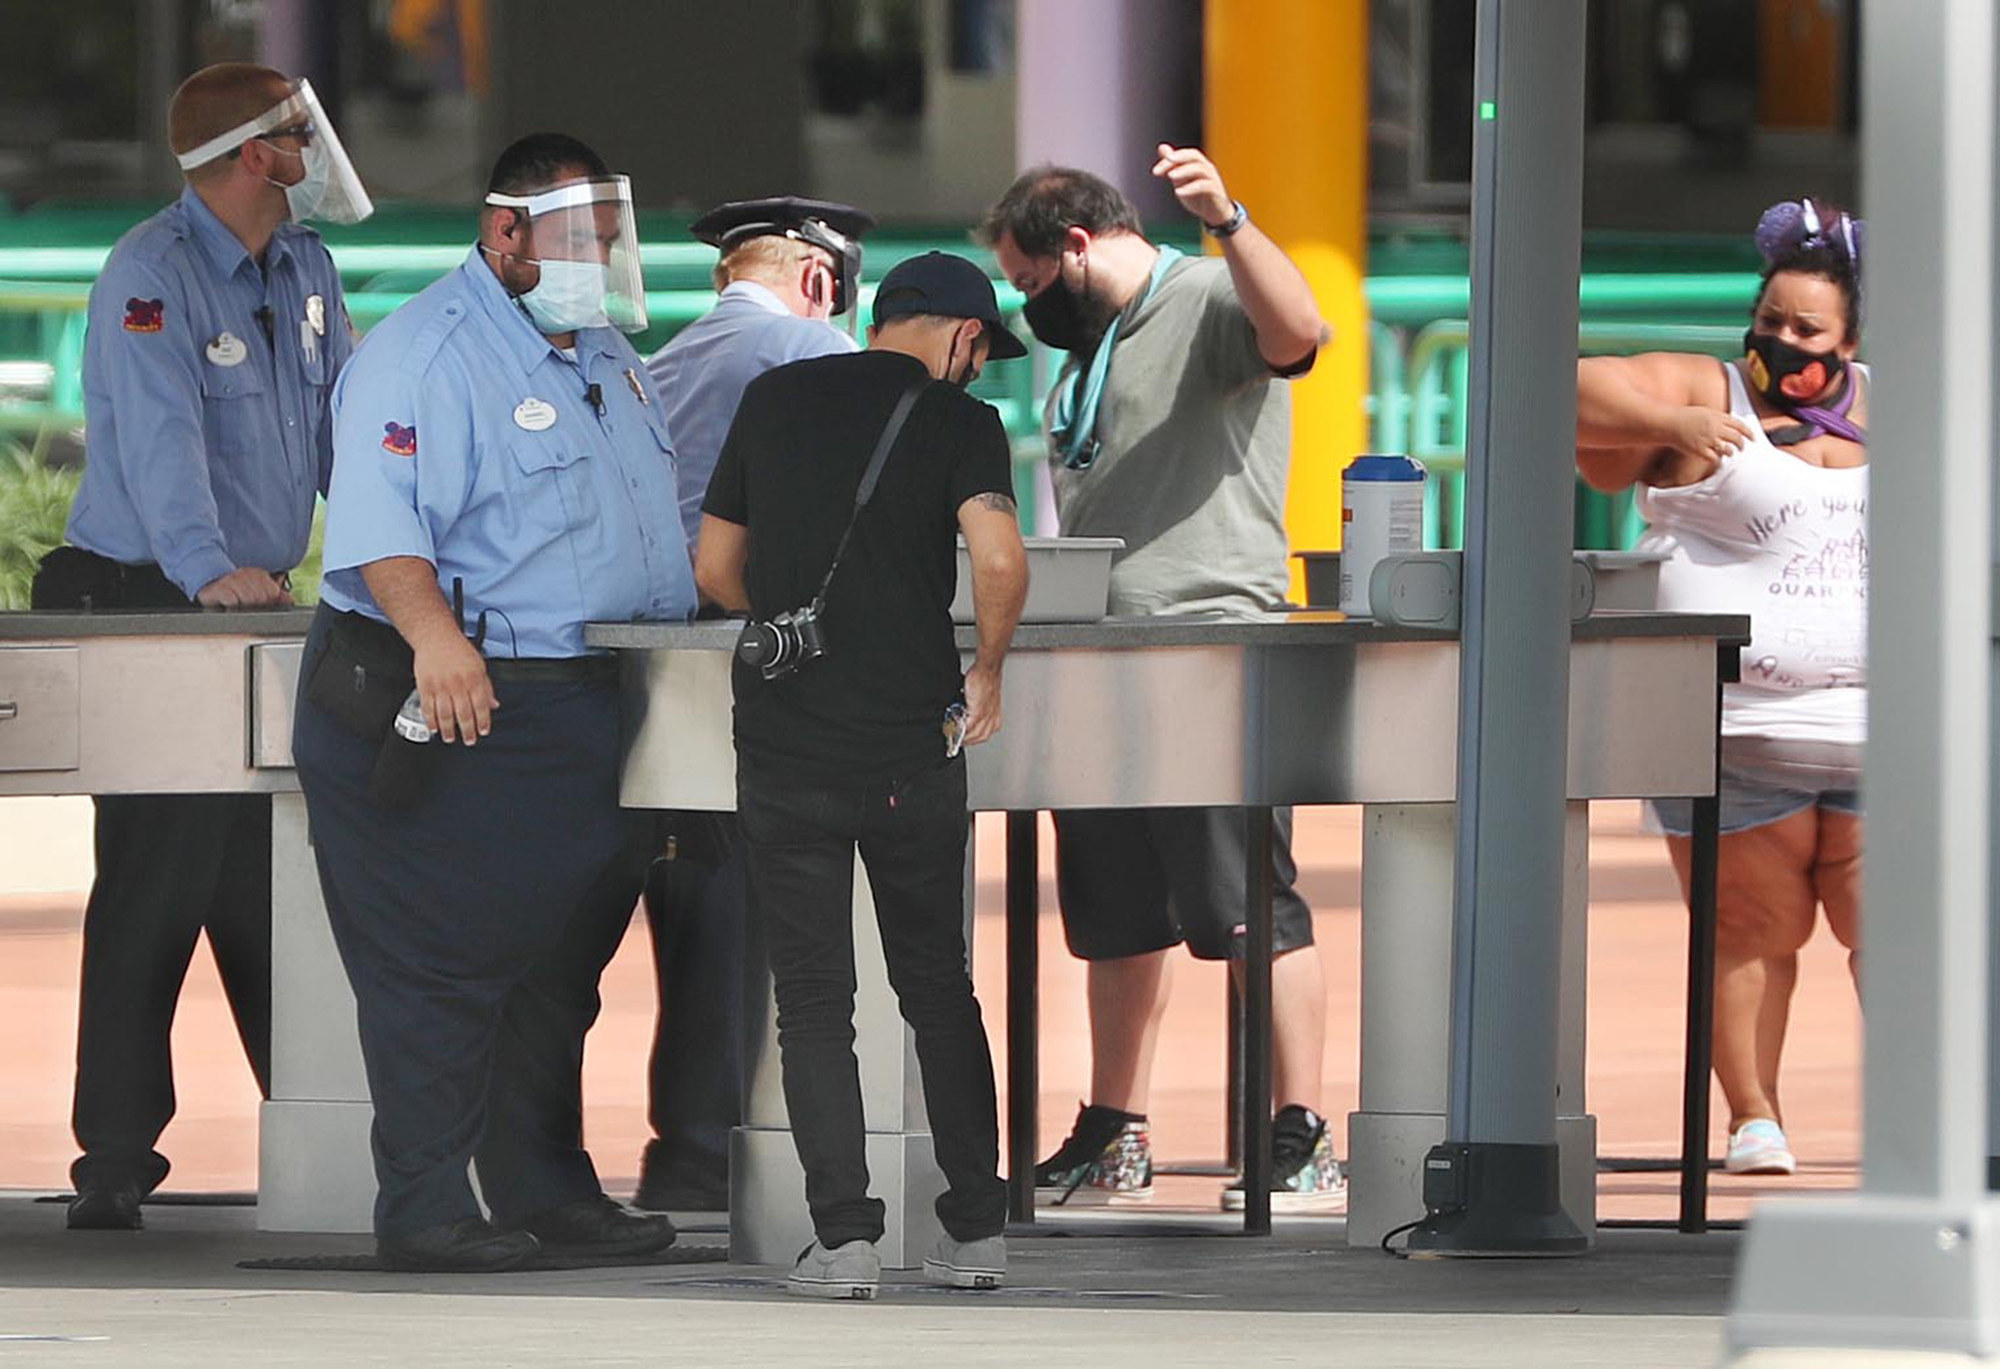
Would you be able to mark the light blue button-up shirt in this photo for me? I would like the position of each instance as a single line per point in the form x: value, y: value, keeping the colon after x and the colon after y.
x: 462, y: 436
x: 701, y: 374
x: 208, y: 433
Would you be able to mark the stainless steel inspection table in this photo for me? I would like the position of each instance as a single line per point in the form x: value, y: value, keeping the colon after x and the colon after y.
x: 1299, y: 709
x: 201, y: 702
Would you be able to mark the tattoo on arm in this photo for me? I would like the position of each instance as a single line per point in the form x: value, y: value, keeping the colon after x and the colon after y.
x: 998, y: 503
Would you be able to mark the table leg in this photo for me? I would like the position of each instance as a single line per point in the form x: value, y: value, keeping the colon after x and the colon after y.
x: 1256, y: 1125
x: 1700, y: 1048
x: 1023, y: 992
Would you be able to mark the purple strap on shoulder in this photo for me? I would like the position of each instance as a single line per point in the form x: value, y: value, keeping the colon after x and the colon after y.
x: 1832, y: 418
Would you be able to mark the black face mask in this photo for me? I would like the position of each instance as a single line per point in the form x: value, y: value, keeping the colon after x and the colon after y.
x: 1064, y: 318
x: 1788, y: 375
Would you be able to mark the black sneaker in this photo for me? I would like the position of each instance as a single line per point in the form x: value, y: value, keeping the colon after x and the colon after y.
x: 1106, y: 1160
x: 1304, y: 1175
x: 107, y: 1207
x: 679, y: 1185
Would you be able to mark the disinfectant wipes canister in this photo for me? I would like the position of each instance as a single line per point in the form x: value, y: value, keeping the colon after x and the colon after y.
x: 1382, y: 513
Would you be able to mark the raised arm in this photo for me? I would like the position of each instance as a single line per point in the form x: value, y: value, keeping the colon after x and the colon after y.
x: 1661, y: 418
x: 1274, y: 292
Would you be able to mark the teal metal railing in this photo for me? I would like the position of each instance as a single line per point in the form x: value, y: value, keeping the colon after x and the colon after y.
x: 1417, y: 342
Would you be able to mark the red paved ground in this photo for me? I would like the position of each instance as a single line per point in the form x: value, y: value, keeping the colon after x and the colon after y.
x: 1636, y: 970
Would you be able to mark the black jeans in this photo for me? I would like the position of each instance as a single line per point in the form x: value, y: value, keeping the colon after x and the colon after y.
x: 801, y: 839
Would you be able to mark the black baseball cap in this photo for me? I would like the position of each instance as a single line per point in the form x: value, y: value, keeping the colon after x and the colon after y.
x: 951, y: 287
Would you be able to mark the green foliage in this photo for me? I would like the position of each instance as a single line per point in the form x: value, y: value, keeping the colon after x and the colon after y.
x: 305, y: 575
x: 34, y: 506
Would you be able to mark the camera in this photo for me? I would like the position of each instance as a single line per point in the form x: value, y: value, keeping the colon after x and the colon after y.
x: 784, y: 643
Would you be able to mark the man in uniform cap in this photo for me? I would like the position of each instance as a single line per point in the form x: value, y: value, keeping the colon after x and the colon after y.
x: 786, y: 265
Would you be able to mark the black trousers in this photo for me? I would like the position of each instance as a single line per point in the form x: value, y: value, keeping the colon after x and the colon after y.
x: 695, y: 913
x: 912, y: 834
x: 169, y: 867
x: 473, y: 927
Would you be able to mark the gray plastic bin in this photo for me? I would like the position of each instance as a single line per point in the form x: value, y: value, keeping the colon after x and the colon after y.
x: 1069, y: 579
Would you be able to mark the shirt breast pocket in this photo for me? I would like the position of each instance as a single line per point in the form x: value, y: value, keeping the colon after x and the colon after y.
x: 235, y: 407
x: 555, y: 484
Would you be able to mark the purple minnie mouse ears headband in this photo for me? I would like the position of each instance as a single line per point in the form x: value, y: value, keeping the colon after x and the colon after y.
x: 1794, y: 224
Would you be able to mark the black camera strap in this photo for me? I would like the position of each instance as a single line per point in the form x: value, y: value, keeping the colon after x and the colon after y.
x: 869, y: 478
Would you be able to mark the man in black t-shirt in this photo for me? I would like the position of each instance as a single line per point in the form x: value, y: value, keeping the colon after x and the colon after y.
x: 860, y: 746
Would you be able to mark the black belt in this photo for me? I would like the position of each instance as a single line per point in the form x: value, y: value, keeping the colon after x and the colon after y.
x: 552, y: 669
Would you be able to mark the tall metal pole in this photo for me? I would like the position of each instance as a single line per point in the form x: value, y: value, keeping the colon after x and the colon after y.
x: 1913, y: 1261
x: 1494, y: 1186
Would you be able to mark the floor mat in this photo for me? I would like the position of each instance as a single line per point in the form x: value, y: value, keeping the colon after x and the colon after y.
x: 372, y: 1264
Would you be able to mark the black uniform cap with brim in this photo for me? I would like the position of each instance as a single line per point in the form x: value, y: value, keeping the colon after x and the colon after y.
x: 833, y: 228
x: 726, y: 225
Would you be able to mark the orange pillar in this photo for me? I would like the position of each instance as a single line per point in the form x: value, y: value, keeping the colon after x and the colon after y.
x: 1286, y: 108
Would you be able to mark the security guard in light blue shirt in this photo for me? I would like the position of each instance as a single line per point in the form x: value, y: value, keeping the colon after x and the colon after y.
x: 785, y: 265
x: 501, y: 476
x: 206, y: 375
x: 216, y: 330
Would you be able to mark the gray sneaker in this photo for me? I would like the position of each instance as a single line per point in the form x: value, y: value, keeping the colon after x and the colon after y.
x: 849, y: 1271
x: 968, y: 1264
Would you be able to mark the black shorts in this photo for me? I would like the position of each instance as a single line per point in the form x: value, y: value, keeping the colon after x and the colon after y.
x: 1133, y: 880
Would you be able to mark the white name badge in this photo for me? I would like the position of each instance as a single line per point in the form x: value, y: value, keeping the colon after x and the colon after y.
x: 534, y: 415
x: 228, y: 350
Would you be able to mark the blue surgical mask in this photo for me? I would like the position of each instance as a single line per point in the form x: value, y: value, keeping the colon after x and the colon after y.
x: 569, y: 296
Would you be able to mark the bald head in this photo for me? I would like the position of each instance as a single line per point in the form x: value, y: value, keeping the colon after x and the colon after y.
x: 217, y: 99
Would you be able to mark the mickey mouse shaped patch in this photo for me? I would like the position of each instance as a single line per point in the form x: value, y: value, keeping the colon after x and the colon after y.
x: 145, y: 315
x: 398, y: 440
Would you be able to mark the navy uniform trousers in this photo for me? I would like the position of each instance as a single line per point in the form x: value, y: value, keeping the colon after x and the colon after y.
x: 169, y: 867
x: 696, y: 913
x: 473, y: 927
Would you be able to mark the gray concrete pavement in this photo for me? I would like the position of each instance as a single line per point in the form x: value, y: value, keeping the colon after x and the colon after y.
x: 1083, y: 1289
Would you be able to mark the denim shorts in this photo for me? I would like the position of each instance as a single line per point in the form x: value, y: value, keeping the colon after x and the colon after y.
x: 1764, y: 780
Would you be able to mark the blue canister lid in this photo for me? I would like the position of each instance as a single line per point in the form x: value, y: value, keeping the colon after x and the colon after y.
x: 1387, y: 468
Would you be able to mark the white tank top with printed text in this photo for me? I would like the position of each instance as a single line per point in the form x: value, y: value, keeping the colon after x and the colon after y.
x: 1786, y: 542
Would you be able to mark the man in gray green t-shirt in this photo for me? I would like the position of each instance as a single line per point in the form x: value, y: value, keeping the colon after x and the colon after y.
x: 1170, y: 426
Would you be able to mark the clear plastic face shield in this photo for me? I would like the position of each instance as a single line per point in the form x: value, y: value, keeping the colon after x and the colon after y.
x: 585, y: 240
x: 331, y: 189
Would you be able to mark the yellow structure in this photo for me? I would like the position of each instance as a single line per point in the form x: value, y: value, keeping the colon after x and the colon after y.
x: 1286, y: 112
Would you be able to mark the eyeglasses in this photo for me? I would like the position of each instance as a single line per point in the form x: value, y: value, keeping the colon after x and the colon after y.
x: 302, y: 130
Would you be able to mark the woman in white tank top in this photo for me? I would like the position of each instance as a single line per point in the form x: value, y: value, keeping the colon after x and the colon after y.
x: 1753, y: 477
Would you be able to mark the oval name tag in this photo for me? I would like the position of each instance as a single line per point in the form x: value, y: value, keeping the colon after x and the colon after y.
x: 534, y: 415
x: 227, y: 350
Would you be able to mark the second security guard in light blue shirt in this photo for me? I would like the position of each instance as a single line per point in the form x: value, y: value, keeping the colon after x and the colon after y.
x: 540, y: 478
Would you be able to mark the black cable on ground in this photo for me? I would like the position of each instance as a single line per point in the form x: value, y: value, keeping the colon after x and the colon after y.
x: 1391, y: 1235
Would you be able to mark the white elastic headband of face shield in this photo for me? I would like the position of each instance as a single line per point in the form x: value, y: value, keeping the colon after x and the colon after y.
x: 600, y: 190
x: 299, y: 105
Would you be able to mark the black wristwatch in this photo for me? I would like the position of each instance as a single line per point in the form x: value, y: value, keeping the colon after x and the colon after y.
x: 1233, y: 224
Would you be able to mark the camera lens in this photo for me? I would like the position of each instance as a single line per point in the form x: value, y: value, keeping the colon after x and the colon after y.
x: 760, y: 645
